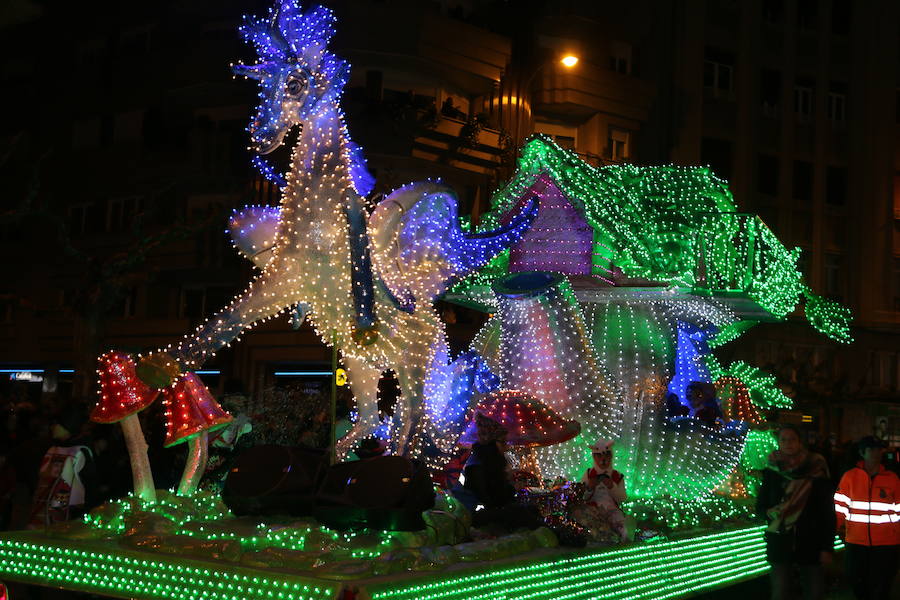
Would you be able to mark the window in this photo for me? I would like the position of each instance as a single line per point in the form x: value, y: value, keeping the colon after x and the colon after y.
x: 564, y: 135
x: 192, y: 300
x: 773, y: 11
x: 882, y: 372
x: 620, y: 58
x: 802, y: 227
x: 836, y: 186
x: 897, y: 195
x: 834, y: 277
x: 767, y: 175
x: 121, y: 213
x: 803, y: 181
x: 807, y: 14
x: 718, y: 72
x: 897, y: 106
x: 836, y: 102
x: 716, y: 154
x: 86, y: 133
x: 126, y: 305
x: 896, y: 286
x: 803, y: 262
x: 619, y: 143
x: 803, y: 100
x: 841, y: 17
x: 770, y: 92
x: 7, y: 309
x: 85, y: 218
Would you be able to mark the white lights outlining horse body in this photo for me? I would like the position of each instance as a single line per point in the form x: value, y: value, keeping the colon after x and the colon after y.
x: 314, y: 251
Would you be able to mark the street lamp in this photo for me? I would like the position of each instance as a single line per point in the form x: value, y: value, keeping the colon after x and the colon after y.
x: 569, y: 60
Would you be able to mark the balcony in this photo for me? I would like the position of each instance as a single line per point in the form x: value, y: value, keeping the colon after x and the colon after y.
x: 445, y: 143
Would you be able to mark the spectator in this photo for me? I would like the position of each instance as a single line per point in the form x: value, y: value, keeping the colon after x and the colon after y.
x: 674, y: 407
x: 7, y: 487
x: 488, y: 487
x: 795, y: 499
x: 605, y: 492
x: 867, y: 516
x: 704, y: 406
x: 67, y: 479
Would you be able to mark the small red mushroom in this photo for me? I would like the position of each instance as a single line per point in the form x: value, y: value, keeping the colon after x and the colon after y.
x: 122, y: 396
x: 528, y: 421
x: 191, y: 413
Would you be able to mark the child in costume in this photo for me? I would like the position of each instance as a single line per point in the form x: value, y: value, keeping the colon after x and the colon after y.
x: 604, y: 492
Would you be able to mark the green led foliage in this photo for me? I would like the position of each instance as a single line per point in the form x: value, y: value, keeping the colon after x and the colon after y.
x: 204, y: 505
x: 730, y: 332
x: 756, y: 450
x: 672, y: 224
x: 673, y: 514
x: 828, y: 316
x: 82, y: 566
x: 764, y: 391
x: 759, y: 445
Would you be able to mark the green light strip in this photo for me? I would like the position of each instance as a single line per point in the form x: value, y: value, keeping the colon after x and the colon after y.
x: 656, y: 570
x: 647, y: 571
x: 125, y: 574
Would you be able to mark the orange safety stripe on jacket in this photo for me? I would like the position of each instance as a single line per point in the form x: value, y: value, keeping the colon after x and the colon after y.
x: 869, y: 507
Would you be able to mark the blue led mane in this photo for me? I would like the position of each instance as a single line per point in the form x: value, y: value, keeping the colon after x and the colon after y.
x: 294, y: 62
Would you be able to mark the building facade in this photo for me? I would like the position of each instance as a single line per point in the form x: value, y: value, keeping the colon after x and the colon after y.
x: 123, y: 162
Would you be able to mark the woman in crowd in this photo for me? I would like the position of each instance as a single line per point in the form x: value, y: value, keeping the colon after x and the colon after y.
x: 796, y: 500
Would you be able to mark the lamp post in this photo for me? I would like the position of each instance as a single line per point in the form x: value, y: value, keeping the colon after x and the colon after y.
x: 522, y: 90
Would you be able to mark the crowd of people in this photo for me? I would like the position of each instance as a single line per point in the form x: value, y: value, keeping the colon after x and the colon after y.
x: 47, y: 438
x: 807, y: 496
x: 804, y: 510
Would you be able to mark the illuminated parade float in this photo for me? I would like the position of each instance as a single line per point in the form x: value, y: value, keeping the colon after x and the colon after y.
x: 608, y: 291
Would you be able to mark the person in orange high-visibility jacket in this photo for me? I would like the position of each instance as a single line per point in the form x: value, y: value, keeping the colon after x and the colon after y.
x: 867, y: 504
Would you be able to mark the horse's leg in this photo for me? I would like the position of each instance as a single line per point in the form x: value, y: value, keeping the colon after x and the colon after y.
x: 364, y: 384
x: 410, y: 408
x: 266, y: 296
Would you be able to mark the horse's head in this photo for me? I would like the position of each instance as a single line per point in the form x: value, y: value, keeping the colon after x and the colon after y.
x: 298, y: 77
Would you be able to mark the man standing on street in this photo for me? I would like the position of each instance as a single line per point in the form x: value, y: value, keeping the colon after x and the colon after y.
x: 868, y: 517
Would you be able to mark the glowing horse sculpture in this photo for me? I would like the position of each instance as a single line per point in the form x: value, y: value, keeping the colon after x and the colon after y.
x: 314, y: 251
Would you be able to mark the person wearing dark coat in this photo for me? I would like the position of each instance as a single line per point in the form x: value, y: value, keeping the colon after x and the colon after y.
x: 796, y: 499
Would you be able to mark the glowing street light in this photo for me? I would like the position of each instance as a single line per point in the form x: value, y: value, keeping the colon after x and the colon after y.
x: 569, y: 60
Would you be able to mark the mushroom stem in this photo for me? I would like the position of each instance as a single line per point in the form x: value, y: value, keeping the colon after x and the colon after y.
x: 140, y: 464
x: 196, y: 464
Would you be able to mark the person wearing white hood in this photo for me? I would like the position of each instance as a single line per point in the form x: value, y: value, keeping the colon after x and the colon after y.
x: 604, y: 492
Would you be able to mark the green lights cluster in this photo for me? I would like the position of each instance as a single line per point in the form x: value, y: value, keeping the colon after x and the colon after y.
x: 829, y: 317
x: 729, y: 332
x: 673, y: 514
x: 763, y: 388
x: 124, y: 574
x: 652, y: 571
x: 756, y: 452
x: 204, y: 505
x: 672, y: 224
